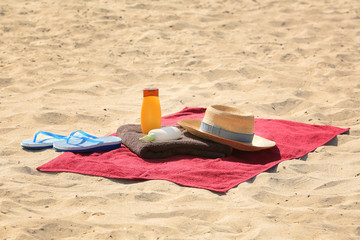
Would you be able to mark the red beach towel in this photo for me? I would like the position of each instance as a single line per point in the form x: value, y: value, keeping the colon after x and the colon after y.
x: 293, y: 140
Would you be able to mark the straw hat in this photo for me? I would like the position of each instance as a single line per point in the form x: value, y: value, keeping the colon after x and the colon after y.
x: 229, y: 126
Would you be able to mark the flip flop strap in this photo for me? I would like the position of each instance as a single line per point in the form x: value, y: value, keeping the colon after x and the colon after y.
x: 88, y: 137
x: 57, y: 136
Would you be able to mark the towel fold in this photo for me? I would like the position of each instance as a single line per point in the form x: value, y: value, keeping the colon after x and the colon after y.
x: 186, y: 145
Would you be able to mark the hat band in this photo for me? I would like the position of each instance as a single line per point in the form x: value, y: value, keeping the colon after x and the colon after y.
x: 223, y: 133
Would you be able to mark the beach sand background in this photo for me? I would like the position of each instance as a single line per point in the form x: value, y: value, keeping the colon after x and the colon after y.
x: 81, y: 65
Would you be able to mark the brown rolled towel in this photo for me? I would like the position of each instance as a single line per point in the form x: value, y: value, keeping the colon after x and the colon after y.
x: 188, y: 144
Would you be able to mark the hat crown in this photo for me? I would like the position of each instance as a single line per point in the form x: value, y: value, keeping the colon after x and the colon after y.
x: 229, y: 118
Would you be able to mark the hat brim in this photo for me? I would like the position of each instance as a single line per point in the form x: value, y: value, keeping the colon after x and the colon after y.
x: 258, y: 143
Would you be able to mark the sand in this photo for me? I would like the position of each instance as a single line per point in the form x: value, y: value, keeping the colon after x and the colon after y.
x: 81, y: 65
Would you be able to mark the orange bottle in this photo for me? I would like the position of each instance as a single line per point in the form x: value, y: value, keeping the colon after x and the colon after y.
x: 150, y: 110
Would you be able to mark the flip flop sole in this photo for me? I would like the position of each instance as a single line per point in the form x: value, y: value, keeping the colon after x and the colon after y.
x: 40, y: 144
x: 36, y: 148
x: 93, y: 149
x: 81, y: 145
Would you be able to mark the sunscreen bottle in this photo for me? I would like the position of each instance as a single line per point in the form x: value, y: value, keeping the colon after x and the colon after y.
x: 150, y: 110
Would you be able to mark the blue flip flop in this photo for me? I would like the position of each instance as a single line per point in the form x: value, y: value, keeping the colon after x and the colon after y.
x: 36, y: 143
x: 80, y: 141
